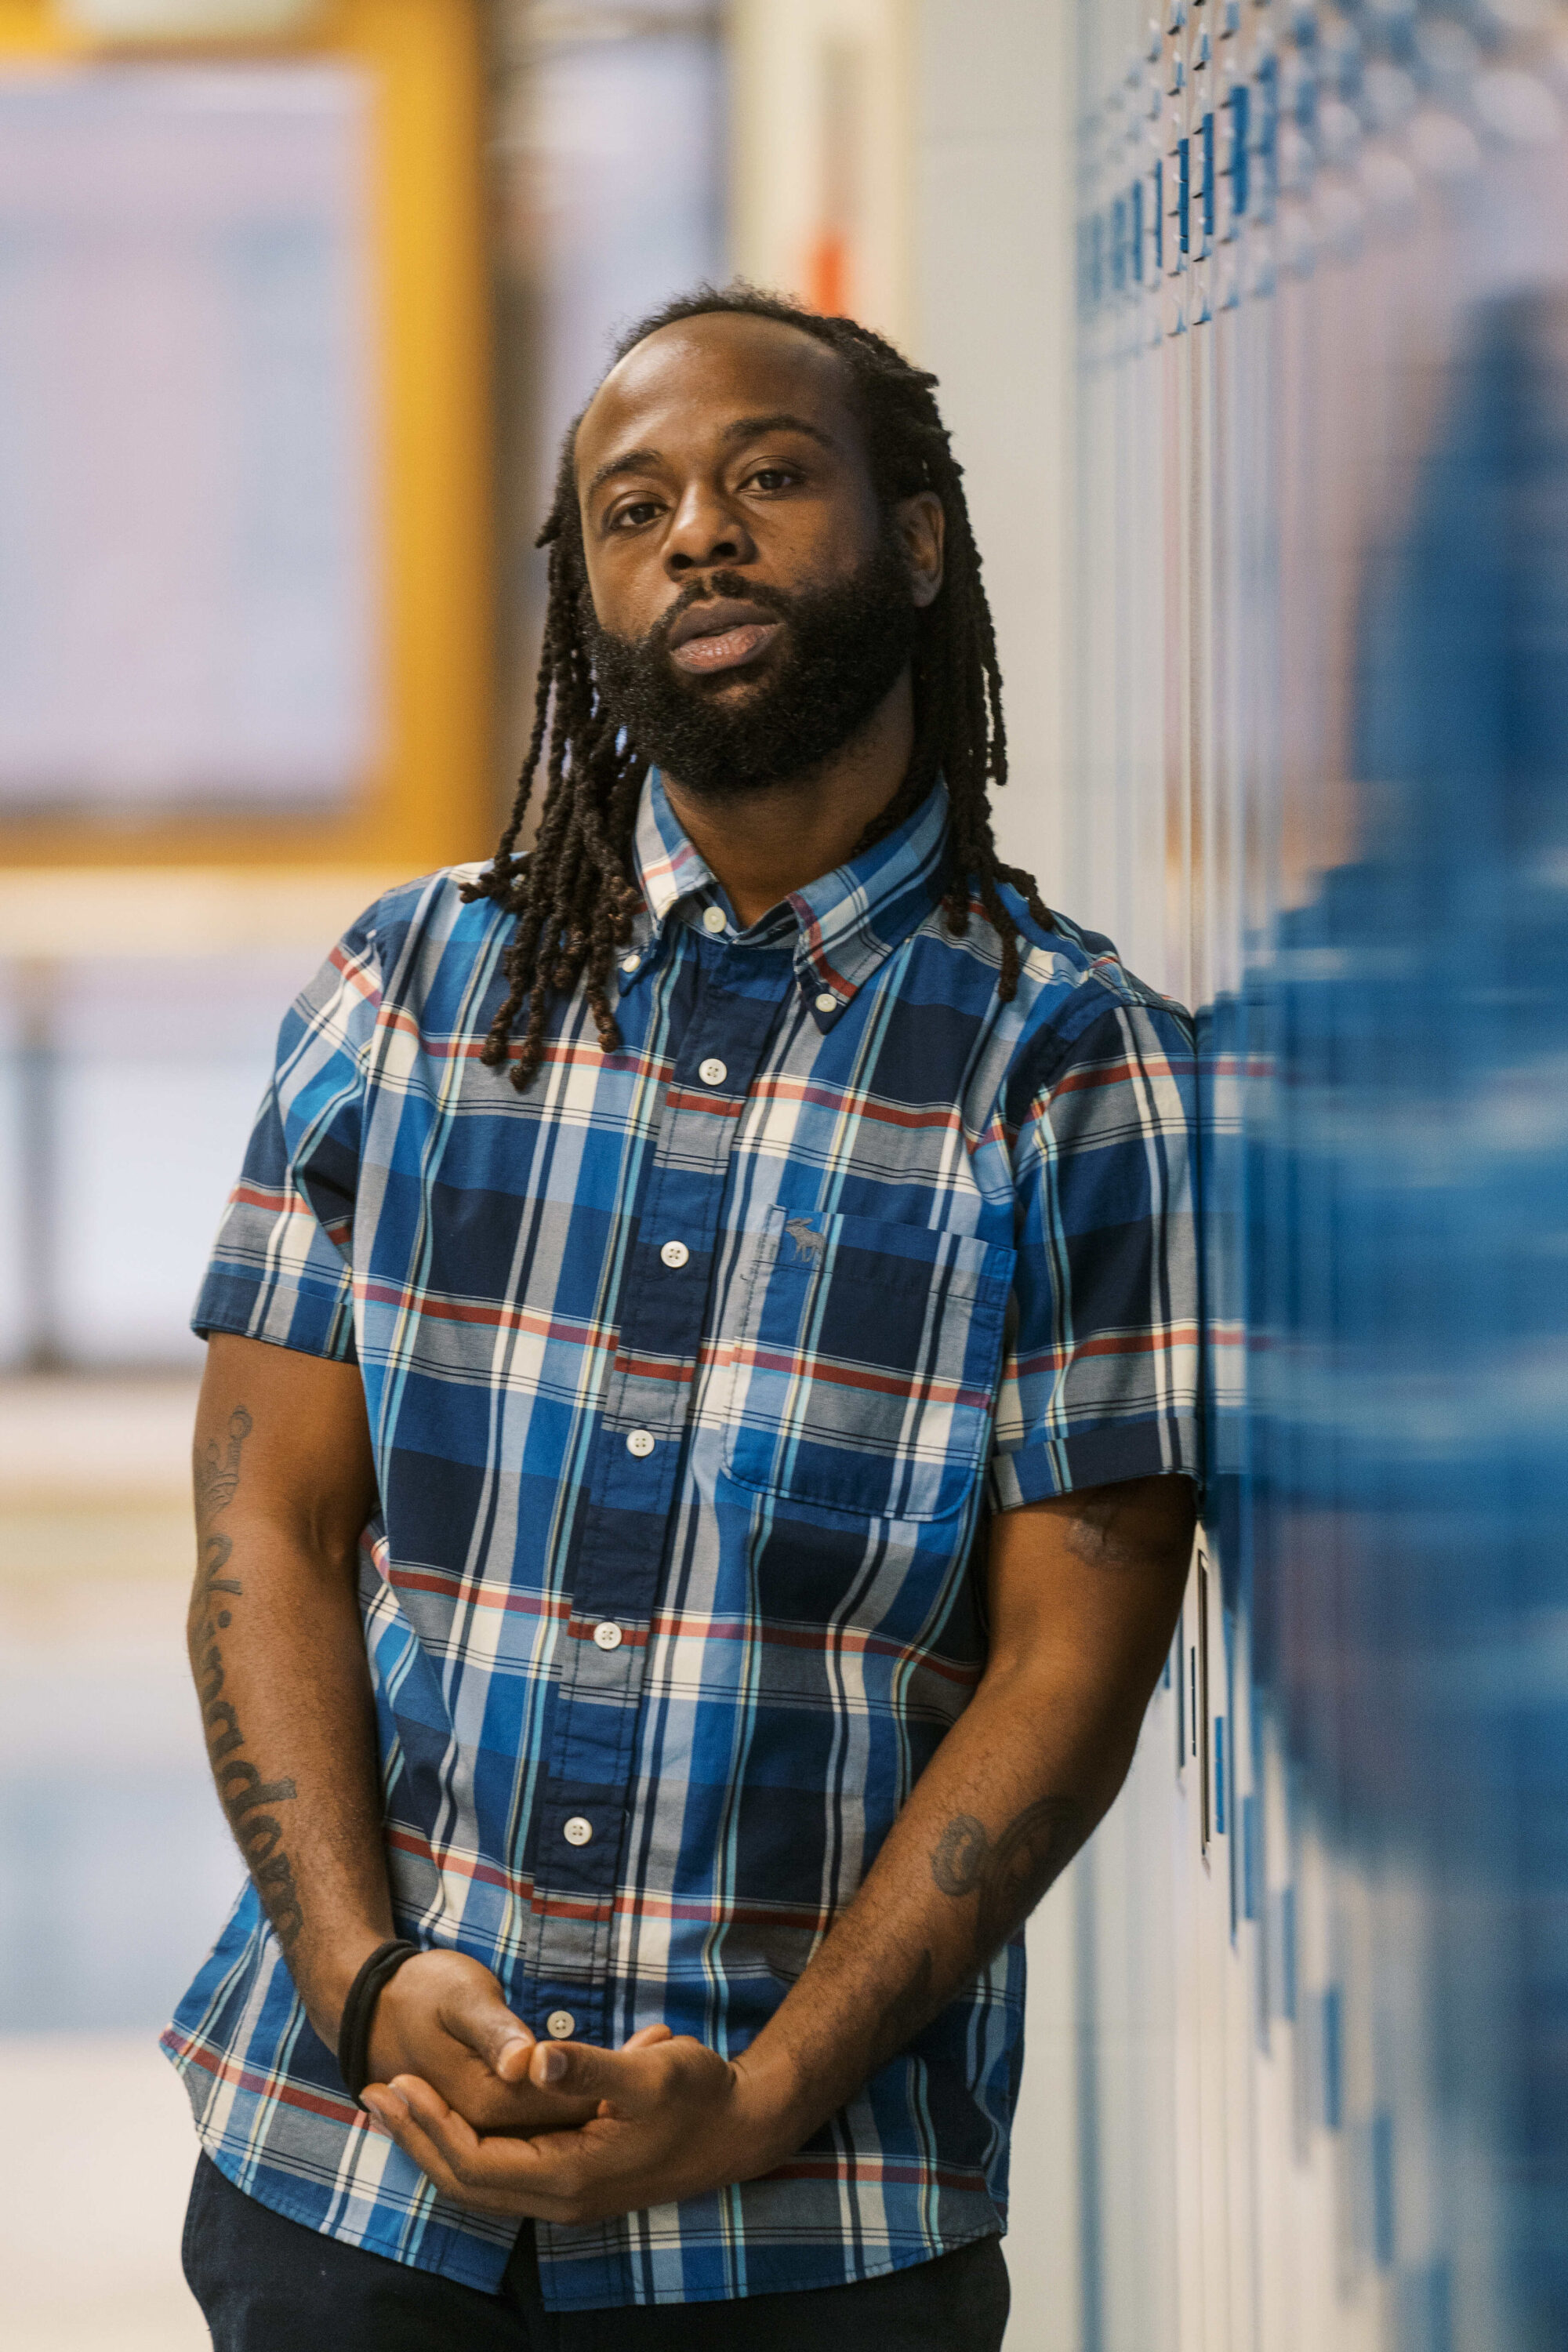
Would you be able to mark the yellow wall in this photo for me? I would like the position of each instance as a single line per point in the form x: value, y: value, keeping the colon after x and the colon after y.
x: 428, y: 801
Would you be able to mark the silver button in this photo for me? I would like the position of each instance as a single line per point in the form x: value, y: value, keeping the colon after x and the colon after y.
x: 714, y: 919
x: 608, y: 1637
x: 561, y: 2025
x: 713, y: 1072
x: 628, y: 963
x: 641, y: 1444
x: 825, y: 1003
x: 578, y: 1831
x: 675, y: 1252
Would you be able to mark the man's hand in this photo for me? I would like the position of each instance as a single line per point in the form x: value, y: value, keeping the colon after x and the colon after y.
x: 670, y: 2120
x: 442, y: 2017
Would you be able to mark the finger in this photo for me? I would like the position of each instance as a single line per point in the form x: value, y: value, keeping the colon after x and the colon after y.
x: 392, y: 2113
x: 646, y: 2039
x: 491, y: 2174
x: 619, y: 2076
x: 476, y: 2014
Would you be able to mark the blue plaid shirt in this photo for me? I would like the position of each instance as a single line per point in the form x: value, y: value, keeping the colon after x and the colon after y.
x: 690, y: 1373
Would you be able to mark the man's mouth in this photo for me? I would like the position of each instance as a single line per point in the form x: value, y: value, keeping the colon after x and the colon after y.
x: 720, y: 634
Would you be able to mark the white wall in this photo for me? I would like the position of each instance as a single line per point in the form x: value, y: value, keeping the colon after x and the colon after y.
x: 819, y: 153
x: 990, y: 220
x: 992, y: 232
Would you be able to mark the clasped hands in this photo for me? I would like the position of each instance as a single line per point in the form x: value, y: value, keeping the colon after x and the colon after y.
x: 503, y: 2123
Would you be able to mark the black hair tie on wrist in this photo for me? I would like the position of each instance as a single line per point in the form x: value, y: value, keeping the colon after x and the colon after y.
x: 359, y: 2010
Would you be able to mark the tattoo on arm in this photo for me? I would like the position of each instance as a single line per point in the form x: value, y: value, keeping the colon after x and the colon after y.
x: 217, y: 1476
x: 1098, y: 1533
x: 1010, y: 1873
x: 240, y: 1787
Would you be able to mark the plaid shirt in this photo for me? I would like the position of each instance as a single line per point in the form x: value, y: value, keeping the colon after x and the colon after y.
x: 690, y: 1373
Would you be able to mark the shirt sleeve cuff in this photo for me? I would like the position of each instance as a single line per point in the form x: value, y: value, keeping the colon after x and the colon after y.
x: 315, y: 1323
x: 1096, y: 1457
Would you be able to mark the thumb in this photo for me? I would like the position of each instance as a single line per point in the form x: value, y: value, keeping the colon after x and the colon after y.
x: 479, y: 2017
x: 620, y: 2076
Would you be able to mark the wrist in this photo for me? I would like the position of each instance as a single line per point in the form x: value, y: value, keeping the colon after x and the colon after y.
x: 356, y: 2063
x: 774, y: 2111
x: 323, y: 1986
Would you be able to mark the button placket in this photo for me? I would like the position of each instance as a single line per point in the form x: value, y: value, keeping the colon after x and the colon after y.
x: 626, y: 1522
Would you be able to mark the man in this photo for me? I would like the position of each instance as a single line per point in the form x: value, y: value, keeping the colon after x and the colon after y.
x: 694, y: 1463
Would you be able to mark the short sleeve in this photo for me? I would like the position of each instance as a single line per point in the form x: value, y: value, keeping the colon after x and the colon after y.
x: 281, y: 1267
x: 1100, y: 1381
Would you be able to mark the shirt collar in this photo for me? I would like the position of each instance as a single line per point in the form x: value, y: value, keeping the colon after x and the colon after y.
x: 846, y: 922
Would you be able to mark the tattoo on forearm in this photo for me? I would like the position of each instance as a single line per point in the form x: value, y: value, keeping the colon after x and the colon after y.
x: 217, y: 1476
x: 241, y: 1789
x: 1011, y: 1873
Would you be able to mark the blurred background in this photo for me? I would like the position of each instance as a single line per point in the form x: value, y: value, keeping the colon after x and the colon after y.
x: 1251, y: 319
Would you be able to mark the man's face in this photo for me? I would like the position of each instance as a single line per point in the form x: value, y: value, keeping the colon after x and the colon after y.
x: 754, y: 601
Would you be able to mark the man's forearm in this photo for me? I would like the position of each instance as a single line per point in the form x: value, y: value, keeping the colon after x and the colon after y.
x: 1010, y: 1795
x: 998, y: 1812
x: 279, y: 1658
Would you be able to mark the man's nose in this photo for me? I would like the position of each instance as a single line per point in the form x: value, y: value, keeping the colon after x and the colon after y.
x: 706, y: 530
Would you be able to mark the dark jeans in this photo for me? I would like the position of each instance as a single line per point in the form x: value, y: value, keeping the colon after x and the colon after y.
x: 269, y: 2285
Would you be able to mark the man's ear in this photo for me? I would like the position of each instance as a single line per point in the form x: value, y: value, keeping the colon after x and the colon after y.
x: 921, y: 526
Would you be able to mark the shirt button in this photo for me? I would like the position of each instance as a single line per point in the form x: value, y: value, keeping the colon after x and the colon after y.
x: 561, y: 2025
x: 825, y: 1003
x: 713, y: 1072
x: 640, y: 1443
x: 675, y: 1252
x: 628, y: 963
x: 608, y: 1637
x: 714, y: 919
x: 577, y: 1830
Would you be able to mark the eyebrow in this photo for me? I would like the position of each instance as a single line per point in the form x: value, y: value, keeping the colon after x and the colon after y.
x: 748, y: 428
x: 745, y: 428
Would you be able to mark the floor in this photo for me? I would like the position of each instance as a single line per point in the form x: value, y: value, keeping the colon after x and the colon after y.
x: 115, y: 1866
x: 92, y: 2196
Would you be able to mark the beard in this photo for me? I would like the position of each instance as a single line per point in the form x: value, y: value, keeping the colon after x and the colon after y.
x: 840, y: 652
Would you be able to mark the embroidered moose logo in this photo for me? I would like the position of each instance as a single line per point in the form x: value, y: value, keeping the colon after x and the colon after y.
x: 811, y: 1245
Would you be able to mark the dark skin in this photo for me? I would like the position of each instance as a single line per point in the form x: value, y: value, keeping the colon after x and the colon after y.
x: 727, y: 444
x: 284, y: 1483
x: 684, y: 466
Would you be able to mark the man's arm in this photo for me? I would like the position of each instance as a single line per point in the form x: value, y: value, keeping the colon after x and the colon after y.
x: 284, y: 1484
x: 1083, y: 1598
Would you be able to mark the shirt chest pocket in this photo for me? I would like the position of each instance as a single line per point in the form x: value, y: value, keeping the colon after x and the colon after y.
x: 865, y: 1365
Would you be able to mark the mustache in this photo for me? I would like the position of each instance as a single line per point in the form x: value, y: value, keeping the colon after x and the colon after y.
x: 706, y: 591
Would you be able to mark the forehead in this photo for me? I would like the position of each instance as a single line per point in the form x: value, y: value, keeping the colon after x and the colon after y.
x: 677, y: 389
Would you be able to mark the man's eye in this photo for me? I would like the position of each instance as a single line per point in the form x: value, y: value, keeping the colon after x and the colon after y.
x: 640, y: 511
x: 774, y: 478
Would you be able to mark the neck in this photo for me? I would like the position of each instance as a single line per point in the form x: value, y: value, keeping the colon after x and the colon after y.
x: 767, y: 844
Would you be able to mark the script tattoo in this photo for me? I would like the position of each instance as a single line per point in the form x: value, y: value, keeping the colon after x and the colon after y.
x: 241, y: 1789
x: 1009, y: 1874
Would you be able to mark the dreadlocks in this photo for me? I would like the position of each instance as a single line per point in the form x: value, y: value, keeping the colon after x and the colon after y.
x: 574, y: 894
